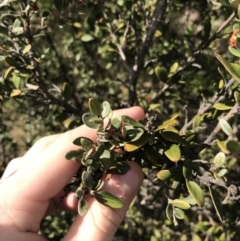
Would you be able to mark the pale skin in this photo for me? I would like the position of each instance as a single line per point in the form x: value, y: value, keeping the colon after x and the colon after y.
x: 31, y: 187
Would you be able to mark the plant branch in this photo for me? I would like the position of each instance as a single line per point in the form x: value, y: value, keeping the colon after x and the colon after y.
x: 190, y: 62
x: 229, y: 115
x: 219, y: 96
x: 38, y: 77
x: 139, y: 64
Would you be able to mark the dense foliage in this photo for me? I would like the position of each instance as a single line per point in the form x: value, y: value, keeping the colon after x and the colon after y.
x: 173, y: 58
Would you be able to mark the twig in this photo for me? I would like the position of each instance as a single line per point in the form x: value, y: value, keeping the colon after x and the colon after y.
x: 219, y: 96
x: 120, y: 46
x: 139, y: 64
x: 229, y: 115
x: 190, y: 62
x: 38, y: 77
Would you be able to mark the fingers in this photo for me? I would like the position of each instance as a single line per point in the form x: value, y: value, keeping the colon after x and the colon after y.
x: 49, y: 171
x: 19, y: 162
x: 100, y: 223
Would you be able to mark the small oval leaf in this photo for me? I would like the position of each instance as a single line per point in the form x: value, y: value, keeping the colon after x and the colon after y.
x: 196, y: 192
x: 233, y: 146
x: 173, y: 153
x: 106, y: 110
x: 109, y: 200
x: 180, y: 204
x: 225, y: 127
x: 88, y: 120
x: 95, y: 106
x: 82, y: 207
x: 179, y: 213
x: 219, y: 159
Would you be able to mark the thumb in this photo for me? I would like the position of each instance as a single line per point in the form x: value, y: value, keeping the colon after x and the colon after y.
x: 100, y: 222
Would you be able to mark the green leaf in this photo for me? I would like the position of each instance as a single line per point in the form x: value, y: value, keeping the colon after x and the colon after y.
x: 169, y: 211
x: 18, y: 30
x: 80, y: 141
x: 82, y: 207
x: 87, y: 38
x: 87, y: 180
x: 237, y: 97
x: 166, y: 124
x: 187, y: 169
x: 180, y: 204
x: 107, y: 160
x: 173, y: 153
x: 75, y: 155
x: 166, y: 174
x: 108, y: 199
x: 100, y: 150
x: 15, y: 92
x: 234, y: 3
x: 174, y: 137
x: 216, y: 202
x: 122, y: 168
x: 196, y: 192
x: 221, y: 106
x: 233, y: 146
x: 225, y: 127
x: 133, y: 146
x: 233, y: 69
x: 133, y: 134
x: 67, y: 91
x: 222, y: 173
x: 4, y: 3
x: 27, y: 48
x: 196, y: 121
x: 219, y: 159
x: 88, y: 120
x: 161, y: 73
x: 179, y: 213
x: 116, y: 123
x: 106, y: 110
x: 128, y: 120
x: 234, y: 51
x: 222, y: 146
x: 95, y: 106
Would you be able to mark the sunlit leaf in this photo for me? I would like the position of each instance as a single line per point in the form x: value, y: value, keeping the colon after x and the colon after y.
x: 108, y: 199
x: 219, y: 159
x: 173, y: 153
x: 179, y: 213
x: 168, y: 173
x: 133, y: 146
x: 232, y: 68
x: 225, y: 127
x: 166, y: 124
x: 234, y: 51
x: 15, y: 92
x: 106, y: 110
x: 222, y: 146
x: 180, y: 204
x: 196, y: 192
x: 221, y: 106
x: 87, y: 38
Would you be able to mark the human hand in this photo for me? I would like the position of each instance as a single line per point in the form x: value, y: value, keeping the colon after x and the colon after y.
x: 32, y: 186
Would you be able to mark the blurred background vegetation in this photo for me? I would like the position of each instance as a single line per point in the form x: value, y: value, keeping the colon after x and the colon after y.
x: 158, y: 54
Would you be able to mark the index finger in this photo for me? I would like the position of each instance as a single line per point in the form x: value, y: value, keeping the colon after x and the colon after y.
x: 49, y: 172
